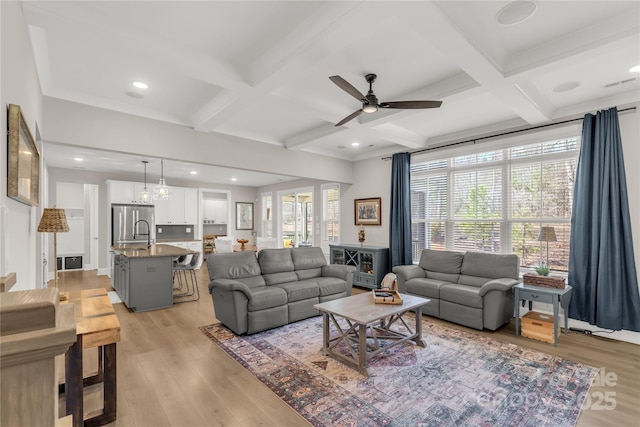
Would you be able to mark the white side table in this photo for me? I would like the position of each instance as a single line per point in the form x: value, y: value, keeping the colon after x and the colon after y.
x: 557, y: 297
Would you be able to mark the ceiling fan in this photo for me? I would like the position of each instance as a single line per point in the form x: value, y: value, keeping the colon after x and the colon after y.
x: 370, y: 102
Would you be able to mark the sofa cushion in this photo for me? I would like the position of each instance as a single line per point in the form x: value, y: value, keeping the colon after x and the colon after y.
x: 300, y: 290
x: 491, y: 266
x: 240, y: 266
x: 275, y: 261
x: 306, y: 258
x: 461, y: 294
x: 445, y: 277
x: 277, y: 278
x: 428, y: 288
x: 266, y: 297
x: 308, y: 262
x: 476, y: 281
x: 330, y: 285
x: 441, y: 261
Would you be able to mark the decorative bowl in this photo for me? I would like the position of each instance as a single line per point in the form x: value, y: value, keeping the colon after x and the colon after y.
x: 242, y: 242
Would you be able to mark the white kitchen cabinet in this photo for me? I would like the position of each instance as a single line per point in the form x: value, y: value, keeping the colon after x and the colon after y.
x: 181, y: 208
x: 162, y: 211
x: 190, y: 205
x: 221, y: 211
x: 125, y: 191
x: 208, y: 210
x: 215, y: 211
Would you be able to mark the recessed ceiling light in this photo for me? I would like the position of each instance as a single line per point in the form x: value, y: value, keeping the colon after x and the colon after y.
x: 78, y: 159
x: 193, y: 173
x: 355, y: 144
x: 635, y: 69
x: 565, y: 87
x: 135, y: 95
x: 234, y: 179
x: 141, y: 85
x: 516, y: 12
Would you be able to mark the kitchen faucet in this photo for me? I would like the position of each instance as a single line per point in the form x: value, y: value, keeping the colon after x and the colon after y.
x: 148, y: 233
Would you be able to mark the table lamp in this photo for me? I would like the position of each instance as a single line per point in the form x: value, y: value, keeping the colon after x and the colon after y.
x: 547, y: 234
x: 54, y: 221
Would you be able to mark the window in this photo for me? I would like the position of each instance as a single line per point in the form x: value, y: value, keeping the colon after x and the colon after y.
x: 497, y: 201
x: 330, y: 216
x: 267, y: 215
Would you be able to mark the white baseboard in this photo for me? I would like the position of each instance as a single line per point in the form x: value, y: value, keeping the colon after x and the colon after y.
x: 626, y: 336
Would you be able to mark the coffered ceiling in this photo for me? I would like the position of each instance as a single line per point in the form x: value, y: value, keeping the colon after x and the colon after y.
x: 260, y: 69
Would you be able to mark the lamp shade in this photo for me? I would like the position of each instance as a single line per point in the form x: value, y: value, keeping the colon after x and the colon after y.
x: 547, y: 234
x: 53, y: 221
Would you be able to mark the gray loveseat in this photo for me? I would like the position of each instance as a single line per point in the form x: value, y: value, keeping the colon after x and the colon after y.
x: 473, y: 289
x: 280, y: 286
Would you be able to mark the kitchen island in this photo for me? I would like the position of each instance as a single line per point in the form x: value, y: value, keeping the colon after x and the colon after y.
x: 143, y: 277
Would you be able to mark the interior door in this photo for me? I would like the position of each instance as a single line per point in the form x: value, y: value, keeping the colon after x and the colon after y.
x: 296, y: 218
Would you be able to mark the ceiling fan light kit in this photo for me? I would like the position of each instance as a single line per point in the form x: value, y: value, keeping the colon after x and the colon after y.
x: 370, y: 103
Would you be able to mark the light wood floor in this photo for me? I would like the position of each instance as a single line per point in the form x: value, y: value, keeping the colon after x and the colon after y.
x: 170, y: 374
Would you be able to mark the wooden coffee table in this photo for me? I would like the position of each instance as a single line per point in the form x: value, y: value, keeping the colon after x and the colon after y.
x: 366, y: 324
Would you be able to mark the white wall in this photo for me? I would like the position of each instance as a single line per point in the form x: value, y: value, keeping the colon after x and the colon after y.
x: 371, y: 178
x: 20, y: 245
x: 87, y: 126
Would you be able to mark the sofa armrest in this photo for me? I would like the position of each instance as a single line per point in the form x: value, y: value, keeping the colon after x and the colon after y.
x: 407, y: 272
x: 336, y: 270
x: 230, y: 285
x: 503, y: 285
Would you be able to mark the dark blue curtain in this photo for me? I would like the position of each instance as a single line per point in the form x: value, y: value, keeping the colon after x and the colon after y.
x: 400, y: 218
x: 602, y: 267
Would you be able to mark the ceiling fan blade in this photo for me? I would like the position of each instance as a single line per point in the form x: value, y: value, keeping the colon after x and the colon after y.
x: 349, y: 117
x: 348, y: 87
x: 411, y: 105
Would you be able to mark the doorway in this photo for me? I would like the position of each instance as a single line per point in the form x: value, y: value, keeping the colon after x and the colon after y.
x: 296, y: 217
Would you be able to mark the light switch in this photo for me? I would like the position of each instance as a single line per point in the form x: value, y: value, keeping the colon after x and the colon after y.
x: 188, y: 230
x: 159, y: 230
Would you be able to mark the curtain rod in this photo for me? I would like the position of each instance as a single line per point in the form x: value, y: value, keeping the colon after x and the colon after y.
x: 474, y: 140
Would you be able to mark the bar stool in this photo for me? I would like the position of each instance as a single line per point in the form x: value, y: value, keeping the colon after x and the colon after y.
x: 184, y: 272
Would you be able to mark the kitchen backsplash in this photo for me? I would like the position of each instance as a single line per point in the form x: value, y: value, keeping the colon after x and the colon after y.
x: 174, y: 232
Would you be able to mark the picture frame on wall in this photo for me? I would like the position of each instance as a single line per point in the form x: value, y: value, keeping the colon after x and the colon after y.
x: 368, y: 211
x: 244, y: 216
x: 23, y: 160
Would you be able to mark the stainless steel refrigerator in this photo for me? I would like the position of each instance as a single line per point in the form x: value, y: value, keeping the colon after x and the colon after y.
x: 131, y: 223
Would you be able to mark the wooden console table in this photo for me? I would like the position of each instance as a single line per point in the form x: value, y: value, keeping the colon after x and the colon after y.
x: 97, y: 326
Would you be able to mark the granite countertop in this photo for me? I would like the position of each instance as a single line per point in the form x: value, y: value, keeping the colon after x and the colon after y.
x: 157, y: 250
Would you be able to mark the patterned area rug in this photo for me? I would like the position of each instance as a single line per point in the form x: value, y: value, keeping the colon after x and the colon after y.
x: 459, y: 379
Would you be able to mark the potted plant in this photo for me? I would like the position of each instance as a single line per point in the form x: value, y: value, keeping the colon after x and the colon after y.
x: 542, y: 269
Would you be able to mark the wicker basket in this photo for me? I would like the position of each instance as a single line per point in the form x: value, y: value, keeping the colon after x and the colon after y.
x: 545, y: 281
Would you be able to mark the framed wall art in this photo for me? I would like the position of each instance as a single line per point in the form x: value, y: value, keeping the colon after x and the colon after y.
x: 367, y: 211
x: 23, y: 160
x: 244, y: 216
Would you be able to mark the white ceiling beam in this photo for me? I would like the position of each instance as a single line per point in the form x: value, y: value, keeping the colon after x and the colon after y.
x: 289, y: 58
x: 581, y: 42
x: 433, y: 24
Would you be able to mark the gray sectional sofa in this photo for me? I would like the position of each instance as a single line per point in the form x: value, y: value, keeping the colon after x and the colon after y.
x: 473, y: 289
x: 280, y: 286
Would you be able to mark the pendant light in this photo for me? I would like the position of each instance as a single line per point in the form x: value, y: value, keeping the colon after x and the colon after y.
x: 161, y: 191
x: 145, y: 196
